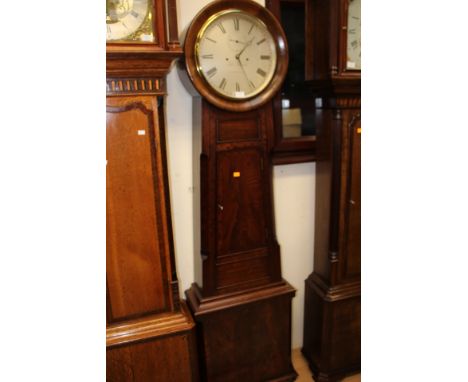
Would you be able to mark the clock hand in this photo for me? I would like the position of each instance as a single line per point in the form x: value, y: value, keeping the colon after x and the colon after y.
x: 243, y: 69
x: 244, y: 48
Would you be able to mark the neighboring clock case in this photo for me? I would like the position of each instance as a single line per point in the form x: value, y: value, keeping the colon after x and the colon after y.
x: 150, y: 334
x: 332, y: 309
x: 141, y: 25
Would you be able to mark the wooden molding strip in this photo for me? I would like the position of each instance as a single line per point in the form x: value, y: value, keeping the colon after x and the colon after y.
x: 334, y: 293
x: 149, y: 327
x: 200, y: 305
x: 134, y: 86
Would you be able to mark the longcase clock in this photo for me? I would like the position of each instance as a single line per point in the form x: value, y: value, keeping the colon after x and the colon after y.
x: 236, y: 57
x: 149, y: 332
x: 332, y: 313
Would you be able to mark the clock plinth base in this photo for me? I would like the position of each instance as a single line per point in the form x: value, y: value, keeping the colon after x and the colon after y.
x: 244, y: 336
x: 153, y: 348
x: 332, y: 336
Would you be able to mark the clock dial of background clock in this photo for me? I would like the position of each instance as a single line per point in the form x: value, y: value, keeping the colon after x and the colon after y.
x: 129, y: 20
x: 354, y: 35
x: 236, y: 54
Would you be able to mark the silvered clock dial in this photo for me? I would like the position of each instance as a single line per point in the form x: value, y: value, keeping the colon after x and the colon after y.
x: 236, y: 54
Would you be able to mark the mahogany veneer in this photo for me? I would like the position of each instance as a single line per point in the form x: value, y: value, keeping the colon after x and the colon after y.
x: 243, y: 308
x: 245, y: 336
x: 240, y: 302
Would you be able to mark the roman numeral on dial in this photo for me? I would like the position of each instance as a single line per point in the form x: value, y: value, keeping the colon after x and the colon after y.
x: 236, y: 23
x: 210, y: 73
x: 261, y: 72
x: 222, y: 85
x: 220, y: 26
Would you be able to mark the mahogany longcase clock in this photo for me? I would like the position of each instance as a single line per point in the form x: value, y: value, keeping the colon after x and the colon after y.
x: 236, y: 57
x: 332, y: 312
x: 149, y: 333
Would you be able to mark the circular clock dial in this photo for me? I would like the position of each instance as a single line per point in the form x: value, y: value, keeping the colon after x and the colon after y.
x: 125, y: 17
x: 236, y: 54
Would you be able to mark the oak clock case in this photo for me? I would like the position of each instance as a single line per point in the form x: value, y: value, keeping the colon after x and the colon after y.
x: 240, y: 301
x: 150, y: 334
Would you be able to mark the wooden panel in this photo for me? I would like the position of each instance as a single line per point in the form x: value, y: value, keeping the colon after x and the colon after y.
x: 345, y: 343
x: 313, y: 323
x: 246, y: 337
x: 332, y: 332
x: 253, y: 269
x: 241, y: 210
x: 136, y: 232
x: 165, y: 359
x: 240, y: 129
x: 236, y: 197
x: 352, y: 221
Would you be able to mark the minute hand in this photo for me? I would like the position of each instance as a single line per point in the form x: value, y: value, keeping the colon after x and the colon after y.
x: 244, y: 48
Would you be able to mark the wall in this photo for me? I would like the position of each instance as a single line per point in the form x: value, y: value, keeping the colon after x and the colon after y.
x: 294, y: 193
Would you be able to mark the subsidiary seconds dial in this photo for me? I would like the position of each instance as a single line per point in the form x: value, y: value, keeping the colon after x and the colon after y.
x: 236, y: 54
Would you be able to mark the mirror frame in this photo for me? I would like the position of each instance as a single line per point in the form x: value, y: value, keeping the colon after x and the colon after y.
x: 300, y: 149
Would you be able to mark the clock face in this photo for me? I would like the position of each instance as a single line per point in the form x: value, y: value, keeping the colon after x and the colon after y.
x: 236, y: 54
x: 354, y: 35
x: 129, y: 20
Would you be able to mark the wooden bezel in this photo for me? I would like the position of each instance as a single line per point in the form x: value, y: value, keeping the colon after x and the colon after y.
x: 199, y: 82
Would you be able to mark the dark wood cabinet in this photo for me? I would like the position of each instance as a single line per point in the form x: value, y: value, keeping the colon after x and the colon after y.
x: 240, y: 301
x: 242, y: 305
x: 242, y: 251
x: 150, y: 334
x: 332, y: 319
x: 332, y: 292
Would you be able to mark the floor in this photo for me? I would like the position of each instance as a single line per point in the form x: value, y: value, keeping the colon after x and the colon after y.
x: 302, y: 368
